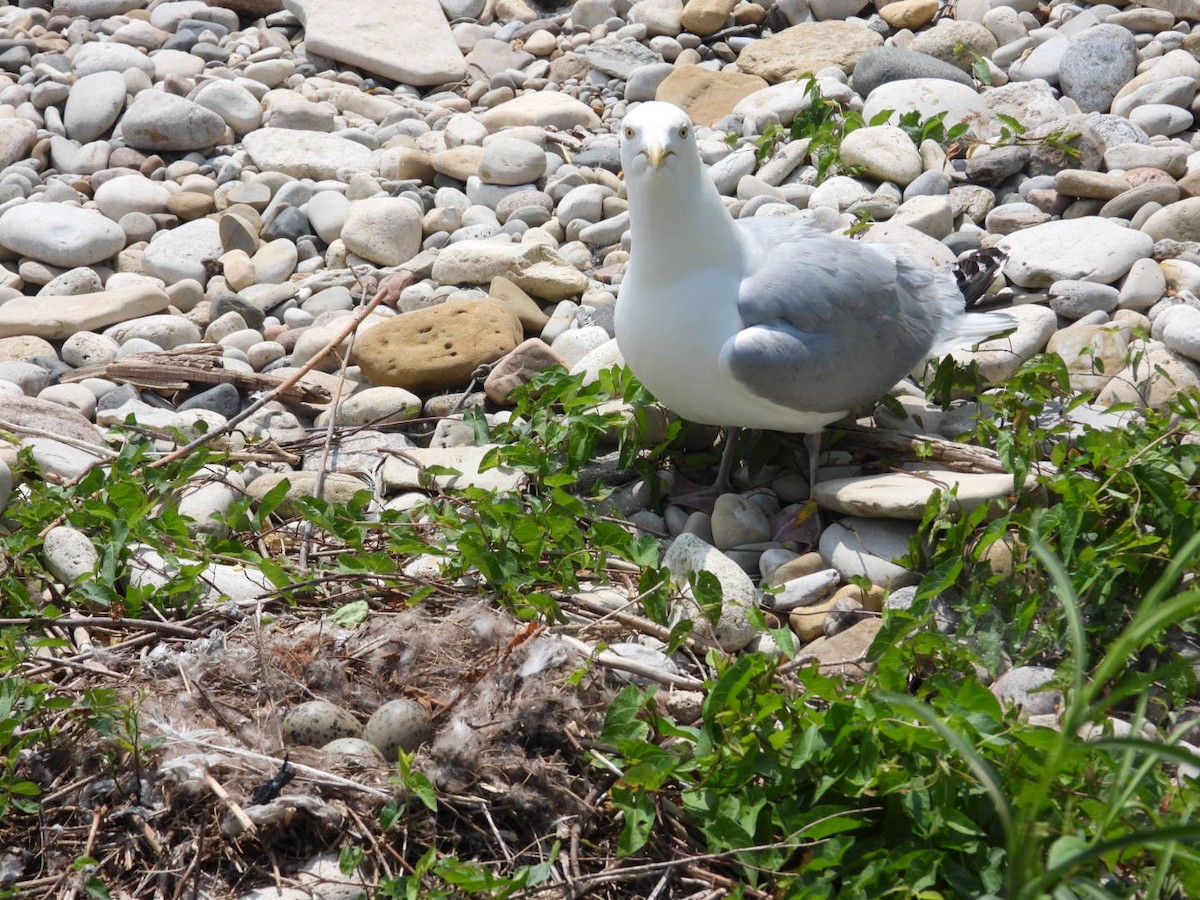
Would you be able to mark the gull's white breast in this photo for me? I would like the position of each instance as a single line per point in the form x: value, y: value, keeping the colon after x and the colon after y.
x: 672, y: 338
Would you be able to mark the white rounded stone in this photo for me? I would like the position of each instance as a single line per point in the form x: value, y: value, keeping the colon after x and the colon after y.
x: 1088, y: 248
x: 86, y: 348
x: 180, y: 253
x: 93, y: 105
x: 69, y: 554
x: 384, y: 230
x: 60, y: 235
x: 327, y: 211
x: 72, y: 396
x: 158, y: 121
x: 240, y: 109
x: 884, y: 152
x: 131, y: 193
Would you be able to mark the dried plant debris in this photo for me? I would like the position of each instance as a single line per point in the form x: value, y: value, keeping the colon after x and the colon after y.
x: 196, y: 793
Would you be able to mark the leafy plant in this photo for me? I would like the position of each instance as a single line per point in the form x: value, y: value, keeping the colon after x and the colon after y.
x: 1116, y: 505
x: 124, y: 504
x: 523, y: 545
x: 34, y: 714
x: 824, y: 124
x: 863, y: 222
x: 917, y: 782
x: 980, y: 70
x: 1061, y: 140
x: 1013, y: 132
x: 1010, y: 129
x: 24, y: 704
x: 815, y: 788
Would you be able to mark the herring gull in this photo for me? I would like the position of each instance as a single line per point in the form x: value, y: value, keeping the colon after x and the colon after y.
x: 765, y: 322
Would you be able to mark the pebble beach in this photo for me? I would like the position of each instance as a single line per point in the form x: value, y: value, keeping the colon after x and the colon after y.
x: 233, y: 182
x: 276, y: 222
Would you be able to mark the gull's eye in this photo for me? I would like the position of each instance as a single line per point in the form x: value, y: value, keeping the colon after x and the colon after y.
x: 629, y: 132
x: 683, y: 131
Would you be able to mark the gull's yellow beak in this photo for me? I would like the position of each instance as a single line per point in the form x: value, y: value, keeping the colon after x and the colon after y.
x: 656, y: 153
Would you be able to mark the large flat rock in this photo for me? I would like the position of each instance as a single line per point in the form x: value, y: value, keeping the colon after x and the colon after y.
x: 808, y: 48
x: 410, y: 42
x: 57, y: 318
x: 1084, y: 249
x: 706, y: 95
x: 304, y: 154
x: 904, y: 495
x: 52, y: 419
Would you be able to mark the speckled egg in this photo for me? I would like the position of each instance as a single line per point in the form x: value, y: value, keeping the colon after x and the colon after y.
x: 316, y: 723
x: 398, y: 725
x: 354, y: 750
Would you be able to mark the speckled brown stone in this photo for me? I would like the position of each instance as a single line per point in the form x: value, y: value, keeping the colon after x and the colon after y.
x: 427, y: 350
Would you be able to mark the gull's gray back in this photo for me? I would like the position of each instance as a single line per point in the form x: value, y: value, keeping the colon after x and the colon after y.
x: 830, y: 323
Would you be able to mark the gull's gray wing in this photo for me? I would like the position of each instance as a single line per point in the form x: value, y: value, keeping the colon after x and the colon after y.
x: 828, y: 322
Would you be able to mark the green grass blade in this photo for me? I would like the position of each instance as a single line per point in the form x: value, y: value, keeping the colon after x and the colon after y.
x: 1076, y: 711
x: 1151, y: 620
x: 1143, y: 838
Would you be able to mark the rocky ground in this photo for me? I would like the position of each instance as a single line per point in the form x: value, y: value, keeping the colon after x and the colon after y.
x: 262, y: 222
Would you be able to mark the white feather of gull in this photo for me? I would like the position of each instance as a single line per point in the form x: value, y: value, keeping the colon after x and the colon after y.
x: 168, y: 730
x: 647, y: 656
x: 460, y: 729
x: 544, y: 653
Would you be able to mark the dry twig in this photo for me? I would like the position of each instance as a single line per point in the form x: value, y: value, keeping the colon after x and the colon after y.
x: 277, y: 392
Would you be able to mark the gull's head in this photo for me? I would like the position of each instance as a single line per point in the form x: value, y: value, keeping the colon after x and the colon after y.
x: 657, y: 137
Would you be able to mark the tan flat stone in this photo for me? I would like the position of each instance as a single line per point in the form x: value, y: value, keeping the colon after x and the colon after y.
x: 706, y: 95
x: 22, y: 347
x: 518, y: 368
x: 904, y: 495
x: 844, y: 654
x: 432, y: 349
x: 533, y: 320
x: 910, y: 13
x: 703, y: 17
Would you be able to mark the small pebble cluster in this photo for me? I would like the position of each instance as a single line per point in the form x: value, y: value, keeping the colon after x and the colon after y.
x: 236, y: 178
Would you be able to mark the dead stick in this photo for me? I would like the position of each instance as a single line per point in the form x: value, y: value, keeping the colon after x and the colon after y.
x: 107, y: 624
x: 88, y: 847
x: 320, y: 776
x: 613, y: 661
x: 327, y: 443
x: 238, y: 813
x: 638, y: 623
x: 86, y: 446
x: 926, y: 448
x: 127, y: 644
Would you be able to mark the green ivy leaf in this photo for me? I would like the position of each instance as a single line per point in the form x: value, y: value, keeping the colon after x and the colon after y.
x: 351, y: 614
